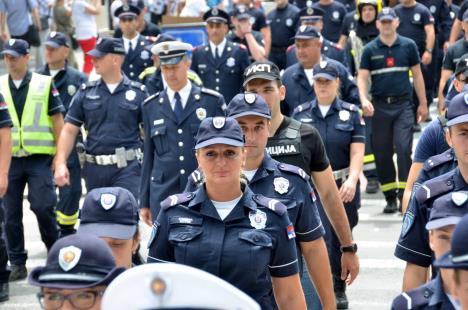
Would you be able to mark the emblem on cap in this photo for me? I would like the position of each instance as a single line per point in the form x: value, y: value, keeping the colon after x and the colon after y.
x: 214, y: 11
x: 323, y: 64
x: 130, y: 95
x: 11, y: 42
x: 165, y: 48
x: 281, y: 185
x: 126, y: 7
x: 344, y: 115
x: 108, y: 201
x: 258, y: 219
x: 71, y: 89
x: 201, y: 113
x: 218, y: 122
x: 386, y: 10
x: 310, y: 11
x: 69, y: 257
x: 53, y: 34
x: 250, y: 98
x: 466, y: 98
x: 303, y: 28
x: 459, y: 198
x: 99, y: 41
x: 158, y: 286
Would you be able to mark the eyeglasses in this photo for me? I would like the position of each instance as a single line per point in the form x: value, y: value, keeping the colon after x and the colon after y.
x: 79, y: 300
x: 127, y: 19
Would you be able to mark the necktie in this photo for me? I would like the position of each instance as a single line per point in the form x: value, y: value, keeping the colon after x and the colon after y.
x: 216, y: 53
x: 178, y: 108
x: 130, y: 47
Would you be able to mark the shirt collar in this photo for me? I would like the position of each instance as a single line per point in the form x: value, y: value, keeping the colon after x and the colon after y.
x: 438, y: 295
x: 134, y: 41
x: 184, y: 93
x: 201, y: 198
x: 25, y: 80
x: 459, y: 182
x: 220, y: 47
x: 397, y: 42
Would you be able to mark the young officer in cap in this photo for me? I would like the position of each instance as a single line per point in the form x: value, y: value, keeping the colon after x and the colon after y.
x: 137, y: 56
x: 213, y: 227
x: 36, y: 110
x: 446, y: 212
x: 220, y: 63
x: 67, y: 80
x: 110, y: 110
x: 391, y: 108
x: 171, y: 119
x: 343, y: 132
x: 298, y: 78
x: 456, y: 259
x: 413, y: 245
x: 144, y: 27
x: 78, y: 269
x: 111, y: 213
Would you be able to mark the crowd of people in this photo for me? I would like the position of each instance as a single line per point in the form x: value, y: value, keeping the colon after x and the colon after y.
x: 245, y: 155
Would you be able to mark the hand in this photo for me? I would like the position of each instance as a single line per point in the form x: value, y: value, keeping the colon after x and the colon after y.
x: 61, y: 175
x: 349, y: 267
x: 4, y: 36
x: 245, y: 26
x: 426, y: 58
x: 347, y: 190
x: 422, y: 112
x: 446, y: 46
x: 367, y: 108
x: 441, y: 104
x: 146, y: 217
x: 3, y: 184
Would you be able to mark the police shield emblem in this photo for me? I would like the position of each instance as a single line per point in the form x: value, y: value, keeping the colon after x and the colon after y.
x: 336, y: 15
x: 11, y: 42
x: 289, y: 22
x: 258, y: 219
x: 344, y: 115
x: 281, y: 185
x: 108, y: 201
x: 459, y: 198
x: 231, y: 62
x: 408, y: 221
x: 201, y: 113
x: 249, y: 98
x: 69, y: 257
x: 466, y: 98
x: 218, y: 122
x: 144, y: 55
x: 130, y: 95
x: 71, y: 89
x: 52, y: 34
x: 417, y: 17
x: 433, y: 9
x: 310, y: 11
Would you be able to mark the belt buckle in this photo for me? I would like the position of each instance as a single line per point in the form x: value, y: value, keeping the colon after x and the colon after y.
x: 121, y: 157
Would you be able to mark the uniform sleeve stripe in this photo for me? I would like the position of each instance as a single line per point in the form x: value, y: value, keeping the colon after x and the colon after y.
x: 159, y: 260
x: 75, y: 119
x: 408, y: 300
x: 308, y: 232
x: 280, y: 266
x: 359, y: 137
x: 56, y: 108
x: 414, y: 251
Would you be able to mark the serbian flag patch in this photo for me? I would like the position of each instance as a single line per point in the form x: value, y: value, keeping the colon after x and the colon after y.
x: 290, y: 231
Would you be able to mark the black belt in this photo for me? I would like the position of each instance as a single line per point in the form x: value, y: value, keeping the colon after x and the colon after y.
x: 391, y: 99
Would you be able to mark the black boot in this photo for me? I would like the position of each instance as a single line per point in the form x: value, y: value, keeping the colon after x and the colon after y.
x: 372, y: 186
x: 4, y: 292
x: 340, y: 293
x: 18, y: 272
x: 391, y: 206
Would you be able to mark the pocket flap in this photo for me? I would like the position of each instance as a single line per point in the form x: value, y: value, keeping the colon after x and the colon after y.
x: 256, y: 237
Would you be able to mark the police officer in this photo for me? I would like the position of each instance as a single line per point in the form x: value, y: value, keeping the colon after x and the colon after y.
x: 299, y: 144
x: 110, y: 111
x: 67, y: 80
x: 342, y: 131
x: 5, y: 149
x: 111, y: 213
x: 36, y: 110
x: 220, y: 63
x: 332, y: 19
x: 413, y: 244
x: 171, y: 119
x: 137, y: 56
x: 283, y: 21
x: 446, y: 212
x: 298, y: 78
x: 144, y: 27
x: 78, y: 270
x: 226, y: 220
x: 391, y: 110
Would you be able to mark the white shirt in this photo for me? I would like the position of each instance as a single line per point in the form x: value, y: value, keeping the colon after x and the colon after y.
x: 249, y: 174
x: 127, y: 43
x: 310, y: 75
x: 225, y: 207
x: 184, y: 94
x: 194, y: 8
x: 112, y: 87
x: 221, y: 47
x: 17, y: 83
x: 85, y: 24
x: 324, y: 109
x: 53, y: 73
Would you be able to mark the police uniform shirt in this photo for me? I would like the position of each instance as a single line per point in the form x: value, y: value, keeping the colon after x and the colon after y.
x: 283, y: 23
x: 5, y: 119
x: 332, y: 19
x: 138, y: 58
x: 436, y: 165
x: 441, y: 13
x: 19, y: 96
x: 309, y: 154
x: 412, y: 22
x: 223, y: 74
x: 258, y: 36
x: 258, y: 19
x: 150, y: 30
x: 329, y: 50
x: 350, y: 5
x: 454, y: 53
x: 462, y: 11
x: 111, y: 119
x: 390, y: 66
x: 413, y: 243
x: 189, y: 231
x: 341, y: 126
x: 431, y: 142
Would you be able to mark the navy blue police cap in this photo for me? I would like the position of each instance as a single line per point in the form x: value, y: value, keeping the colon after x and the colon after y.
x: 219, y: 130
x: 462, y: 65
x: 171, y: 52
x: 126, y: 10
x: 457, y: 257
x: 311, y: 14
x: 387, y: 13
x: 216, y: 15
x: 138, y: 3
x: 241, y: 12
x: 457, y: 111
x: 307, y: 32
x: 77, y: 261
x: 109, y: 212
x: 56, y: 39
x: 16, y: 47
x: 248, y: 104
x: 448, y: 210
x: 326, y: 70
x: 106, y: 46
x: 265, y: 70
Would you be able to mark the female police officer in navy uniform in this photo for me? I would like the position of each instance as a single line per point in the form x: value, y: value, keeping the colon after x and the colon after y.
x: 225, y: 229
x: 343, y: 133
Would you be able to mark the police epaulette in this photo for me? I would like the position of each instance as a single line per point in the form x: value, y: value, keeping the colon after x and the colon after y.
x: 210, y: 92
x: 435, y: 187
x: 302, y: 107
x: 439, y: 159
x: 272, y: 204
x: 153, y: 96
x: 89, y: 84
x: 137, y: 85
x: 349, y: 106
x: 294, y: 169
x: 413, y: 299
x: 176, y: 200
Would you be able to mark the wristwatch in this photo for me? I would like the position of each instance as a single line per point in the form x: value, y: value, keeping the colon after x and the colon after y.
x: 429, y: 50
x: 349, y: 249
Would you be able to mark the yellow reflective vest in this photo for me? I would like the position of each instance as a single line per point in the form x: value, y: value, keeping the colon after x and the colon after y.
x: 34, y: 135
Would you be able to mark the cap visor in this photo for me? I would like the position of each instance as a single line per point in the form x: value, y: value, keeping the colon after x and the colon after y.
x: 386, y: 18
x: 170, y: 61
x: 11, y: 53
x: 304, y: 37
x: 243, y: 16
x: 262, y: 76
x: 442, y: 222
x: 216, y: 20
x: 116, y: 231
x: 458, y: 120
x: 95, y: 53
x: 324, y: 76
x: 52, y: 44
x: 219, y: 140
x: 132, y: 14
x: 248, y: 113
x: 310, y: 18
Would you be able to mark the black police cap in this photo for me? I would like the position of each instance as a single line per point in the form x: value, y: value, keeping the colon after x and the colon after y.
x: 16, y: 47
x: 216, y: 15
x: 56, y: 39
x: 107, y: 46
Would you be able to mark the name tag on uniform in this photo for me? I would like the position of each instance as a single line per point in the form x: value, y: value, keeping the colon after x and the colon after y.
x: 158, y: 122
x: 202, y: 66
x: 93, y: 97
x: 377, y: 57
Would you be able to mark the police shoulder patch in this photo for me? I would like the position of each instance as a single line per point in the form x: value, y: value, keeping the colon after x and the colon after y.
x: 349, y: 106
x: 138, y: 85
x: 153, y: 96
x: 210, y: 92
x: 439, y: 159
x: 302, y: 107
x: 435, y: 187
x: 89, y: 84
x: 294, y: 169
x: 408, y: 221
x: 176, y: 200
x: 272, y: 204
